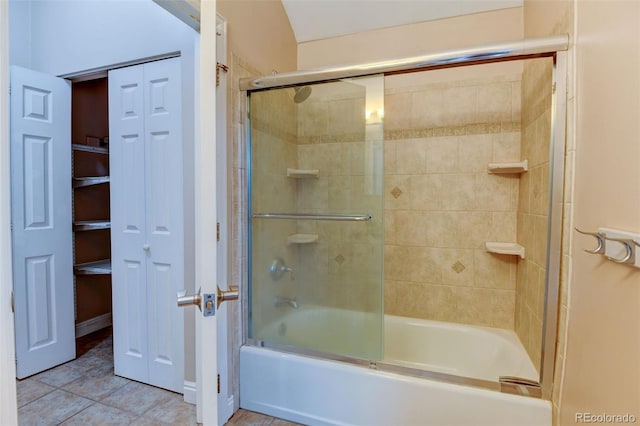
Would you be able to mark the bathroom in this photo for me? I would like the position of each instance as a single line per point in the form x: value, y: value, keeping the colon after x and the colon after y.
x: 375, y: 203
x: 595, y: 295
x: 536, y: 19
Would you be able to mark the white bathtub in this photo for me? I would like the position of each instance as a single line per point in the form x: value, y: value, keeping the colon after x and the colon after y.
x: 322, y: 392
x: 478, y: 352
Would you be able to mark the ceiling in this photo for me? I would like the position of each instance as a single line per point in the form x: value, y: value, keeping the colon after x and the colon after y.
x: 320, y: 19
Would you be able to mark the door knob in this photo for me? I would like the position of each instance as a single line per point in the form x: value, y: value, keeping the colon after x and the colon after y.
x: 192, y: 299
x: 146, y: 247
x: 232, y: 294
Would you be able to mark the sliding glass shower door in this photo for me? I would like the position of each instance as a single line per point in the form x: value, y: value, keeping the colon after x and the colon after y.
x: 316, y: 206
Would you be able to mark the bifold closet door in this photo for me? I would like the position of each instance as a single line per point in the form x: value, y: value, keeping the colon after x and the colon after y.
x: 145, y: 129
x: 41, y: 220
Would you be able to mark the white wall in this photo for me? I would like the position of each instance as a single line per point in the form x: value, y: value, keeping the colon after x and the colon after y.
x: 20, y: 32
x: 62, y: 37
x: 71, y: 36
x: 602, y: 372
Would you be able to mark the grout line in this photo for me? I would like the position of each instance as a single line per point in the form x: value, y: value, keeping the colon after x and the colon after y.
x: 74, y: 414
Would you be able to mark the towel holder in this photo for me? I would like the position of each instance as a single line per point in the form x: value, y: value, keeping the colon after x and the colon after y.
x: 629, y: 246
x: 600, y: 249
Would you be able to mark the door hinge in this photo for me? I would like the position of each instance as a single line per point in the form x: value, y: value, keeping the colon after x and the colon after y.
x: 217, y: 231
x: 219, y: 67
x: 12, y: 304
x: 218, y: 383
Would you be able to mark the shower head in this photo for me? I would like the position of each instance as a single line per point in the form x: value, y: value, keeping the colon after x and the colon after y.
x: 302, y: 93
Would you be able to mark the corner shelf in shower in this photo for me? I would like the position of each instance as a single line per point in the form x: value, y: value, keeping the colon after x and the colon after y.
x: 513, y: 249
x: 515, y: 167
x: 302, y: 173
x: 302, y: 239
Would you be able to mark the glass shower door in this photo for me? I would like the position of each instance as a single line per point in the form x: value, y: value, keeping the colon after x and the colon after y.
x: 316, y: 207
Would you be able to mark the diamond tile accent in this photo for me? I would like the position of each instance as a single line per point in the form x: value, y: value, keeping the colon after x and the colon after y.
x: 396, y: 192
x: 458, y: 267
x: 340, y: 259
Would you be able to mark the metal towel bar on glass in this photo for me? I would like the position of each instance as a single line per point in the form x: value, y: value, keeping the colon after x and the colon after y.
x: 309, y: 216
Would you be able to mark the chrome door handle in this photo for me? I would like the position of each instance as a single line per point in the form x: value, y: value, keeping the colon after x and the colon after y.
x: 192, y: 299
x: 232, y: 294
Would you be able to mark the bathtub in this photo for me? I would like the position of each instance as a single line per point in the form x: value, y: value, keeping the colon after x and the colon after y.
x: 323, y: 392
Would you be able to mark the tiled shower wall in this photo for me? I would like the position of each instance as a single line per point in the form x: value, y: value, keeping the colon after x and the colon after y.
x: 534, y: 204
x: 342, y: 268
x: 441, y: 205
x: 273, y: 138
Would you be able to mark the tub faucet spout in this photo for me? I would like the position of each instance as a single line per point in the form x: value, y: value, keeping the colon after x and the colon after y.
x: 282, y: 301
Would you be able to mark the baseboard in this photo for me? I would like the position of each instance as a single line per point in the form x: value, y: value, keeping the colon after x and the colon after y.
x: 190, y: 397
x: 94, y: 324
x: 190, y: 392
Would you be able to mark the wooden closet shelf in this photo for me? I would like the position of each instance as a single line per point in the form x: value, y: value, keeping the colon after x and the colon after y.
x: 89, y: 148
x: 100, y: 267
x: 79, y: 182
x: 91, y: 225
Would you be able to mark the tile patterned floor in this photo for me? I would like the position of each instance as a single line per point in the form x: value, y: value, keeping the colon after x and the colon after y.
x: 86, y: 392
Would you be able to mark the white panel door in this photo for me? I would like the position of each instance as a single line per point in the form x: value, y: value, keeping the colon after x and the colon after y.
x: 41, y: 220
x: 164, y: 224
x: 145, y: 127
x: 128, y: 227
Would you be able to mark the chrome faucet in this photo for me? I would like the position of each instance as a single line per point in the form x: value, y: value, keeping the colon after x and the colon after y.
x: 281, y: 301
x: 278, y: 268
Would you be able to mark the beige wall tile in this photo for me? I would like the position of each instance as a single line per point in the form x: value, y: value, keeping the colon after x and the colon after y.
x: 397, y: 192
x: 313, y: 193
x: 441, y: 155
x: 411, y: 156
x: 313, y: 118
x: 457, y: 266
x: 354, y: 152
x: 425, y: 192
x: 524, y: 193
x: 425, y: 112
x: 540, y: 240
x: 474, y: 152
x: 410, y: 227
x: 397, y: 109
x: 346, y: 116
x: 339, y: 193
x: 493, y: 270
x: 390, y: 161
x: 494, y: 103
x: 459, y: 105
x: 458, y: 192
x: 504, y: 227
x: 506, y: 147
x: 495, y: 192
x: 516, y: 101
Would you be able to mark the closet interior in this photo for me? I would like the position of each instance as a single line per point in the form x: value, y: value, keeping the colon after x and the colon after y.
x: 91, y: 209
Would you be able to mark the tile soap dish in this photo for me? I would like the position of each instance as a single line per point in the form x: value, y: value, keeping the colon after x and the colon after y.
x: 302, y: 239
x: 513, y: 249
x: 302, y: 173
x: 516, y: 167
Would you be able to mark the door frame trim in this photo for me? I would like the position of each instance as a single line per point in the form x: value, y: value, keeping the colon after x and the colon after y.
x: 100, y: 72
x: 8, y: 399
